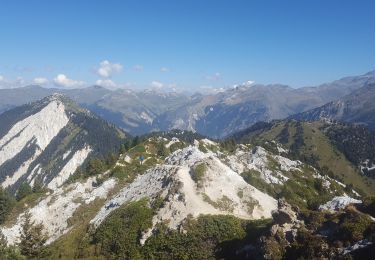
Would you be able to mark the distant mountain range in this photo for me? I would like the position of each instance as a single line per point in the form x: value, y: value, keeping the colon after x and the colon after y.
x: 215, y: 115
x: 357, y: 107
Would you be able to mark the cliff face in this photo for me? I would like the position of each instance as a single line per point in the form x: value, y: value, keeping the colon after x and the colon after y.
x: 47, y: 140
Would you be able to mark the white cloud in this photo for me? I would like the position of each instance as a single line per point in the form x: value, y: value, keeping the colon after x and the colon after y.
x: 41, y: 81
x: 107, y: 69
x: 138, y: 67
x: 6, y: 83
x: 107, y: 83
x: 164, y: 69
x: 156, y: 84
x: 214, y: 77
x: 19, y: 81
x: 63, y: 81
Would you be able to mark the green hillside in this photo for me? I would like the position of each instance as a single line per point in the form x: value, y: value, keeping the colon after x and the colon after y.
x: 319, y: 144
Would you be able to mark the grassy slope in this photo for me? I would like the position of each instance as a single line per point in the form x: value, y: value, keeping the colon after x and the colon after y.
x: 76, y: 243
x: 316, y: 143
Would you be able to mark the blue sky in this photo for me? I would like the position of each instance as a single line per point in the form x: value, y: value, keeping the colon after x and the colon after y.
x: 190, y: 44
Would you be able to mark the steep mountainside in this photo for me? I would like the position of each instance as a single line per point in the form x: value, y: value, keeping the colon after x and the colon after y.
x: 136, y: 111
x: 47, y: 140
x: 357, y: 107
x: 189, y: 198
x: 11, y: 98
x: 215, y: 115
x: 343, y: 151
x: 341, y: 87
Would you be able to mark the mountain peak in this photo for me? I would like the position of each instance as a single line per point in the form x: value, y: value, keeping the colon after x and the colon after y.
x: 29, y: 134
x: 59, y: 97
x: 370, y: 73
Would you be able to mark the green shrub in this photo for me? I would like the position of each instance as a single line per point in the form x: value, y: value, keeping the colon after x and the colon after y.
x: 224, y: 203
x: 95, y: 167
x: 6, y: 204
x: 24, y: 190
x: 198, y: 172
x: 176, y: 146
x: 353, y: 226
x: 228, y: 145
x: 253, y: 178
x: 9, y: 252
x: 313, y: 219
x: 118, y: 236
x: 161, y: 150
x: 370, y: 232
x: 203, y: 238
x: 202, y: 148
x: 308, y: 246
x: 369, y: 206
x: 120, y: 172
x: 32, y: 238
x: 314, y: 202
x: 138, y: 149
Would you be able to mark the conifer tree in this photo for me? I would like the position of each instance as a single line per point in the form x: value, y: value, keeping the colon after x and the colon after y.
x: 32, y: 237
x: 6, y: 204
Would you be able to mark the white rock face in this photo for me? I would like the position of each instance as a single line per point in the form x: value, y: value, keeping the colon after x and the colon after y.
x: 208, y: 142
x: 258, y: 159
x: 37, y: 170
x: 338, y: 203
x: 41, y: 128
x: 173, y: 181
x: 70, y: 167
x: 148, y: 184
x: 173, y: 141
x: 20, y: 171
x: 55, y: 210
x: 128, y: 159
x: 146, y: 117
x: 360, y: 244
x: 66, y: 154
x: 366, y: 166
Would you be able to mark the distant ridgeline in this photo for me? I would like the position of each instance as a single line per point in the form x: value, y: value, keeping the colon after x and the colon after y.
x: 47, y: 141
x: 217, y: 114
